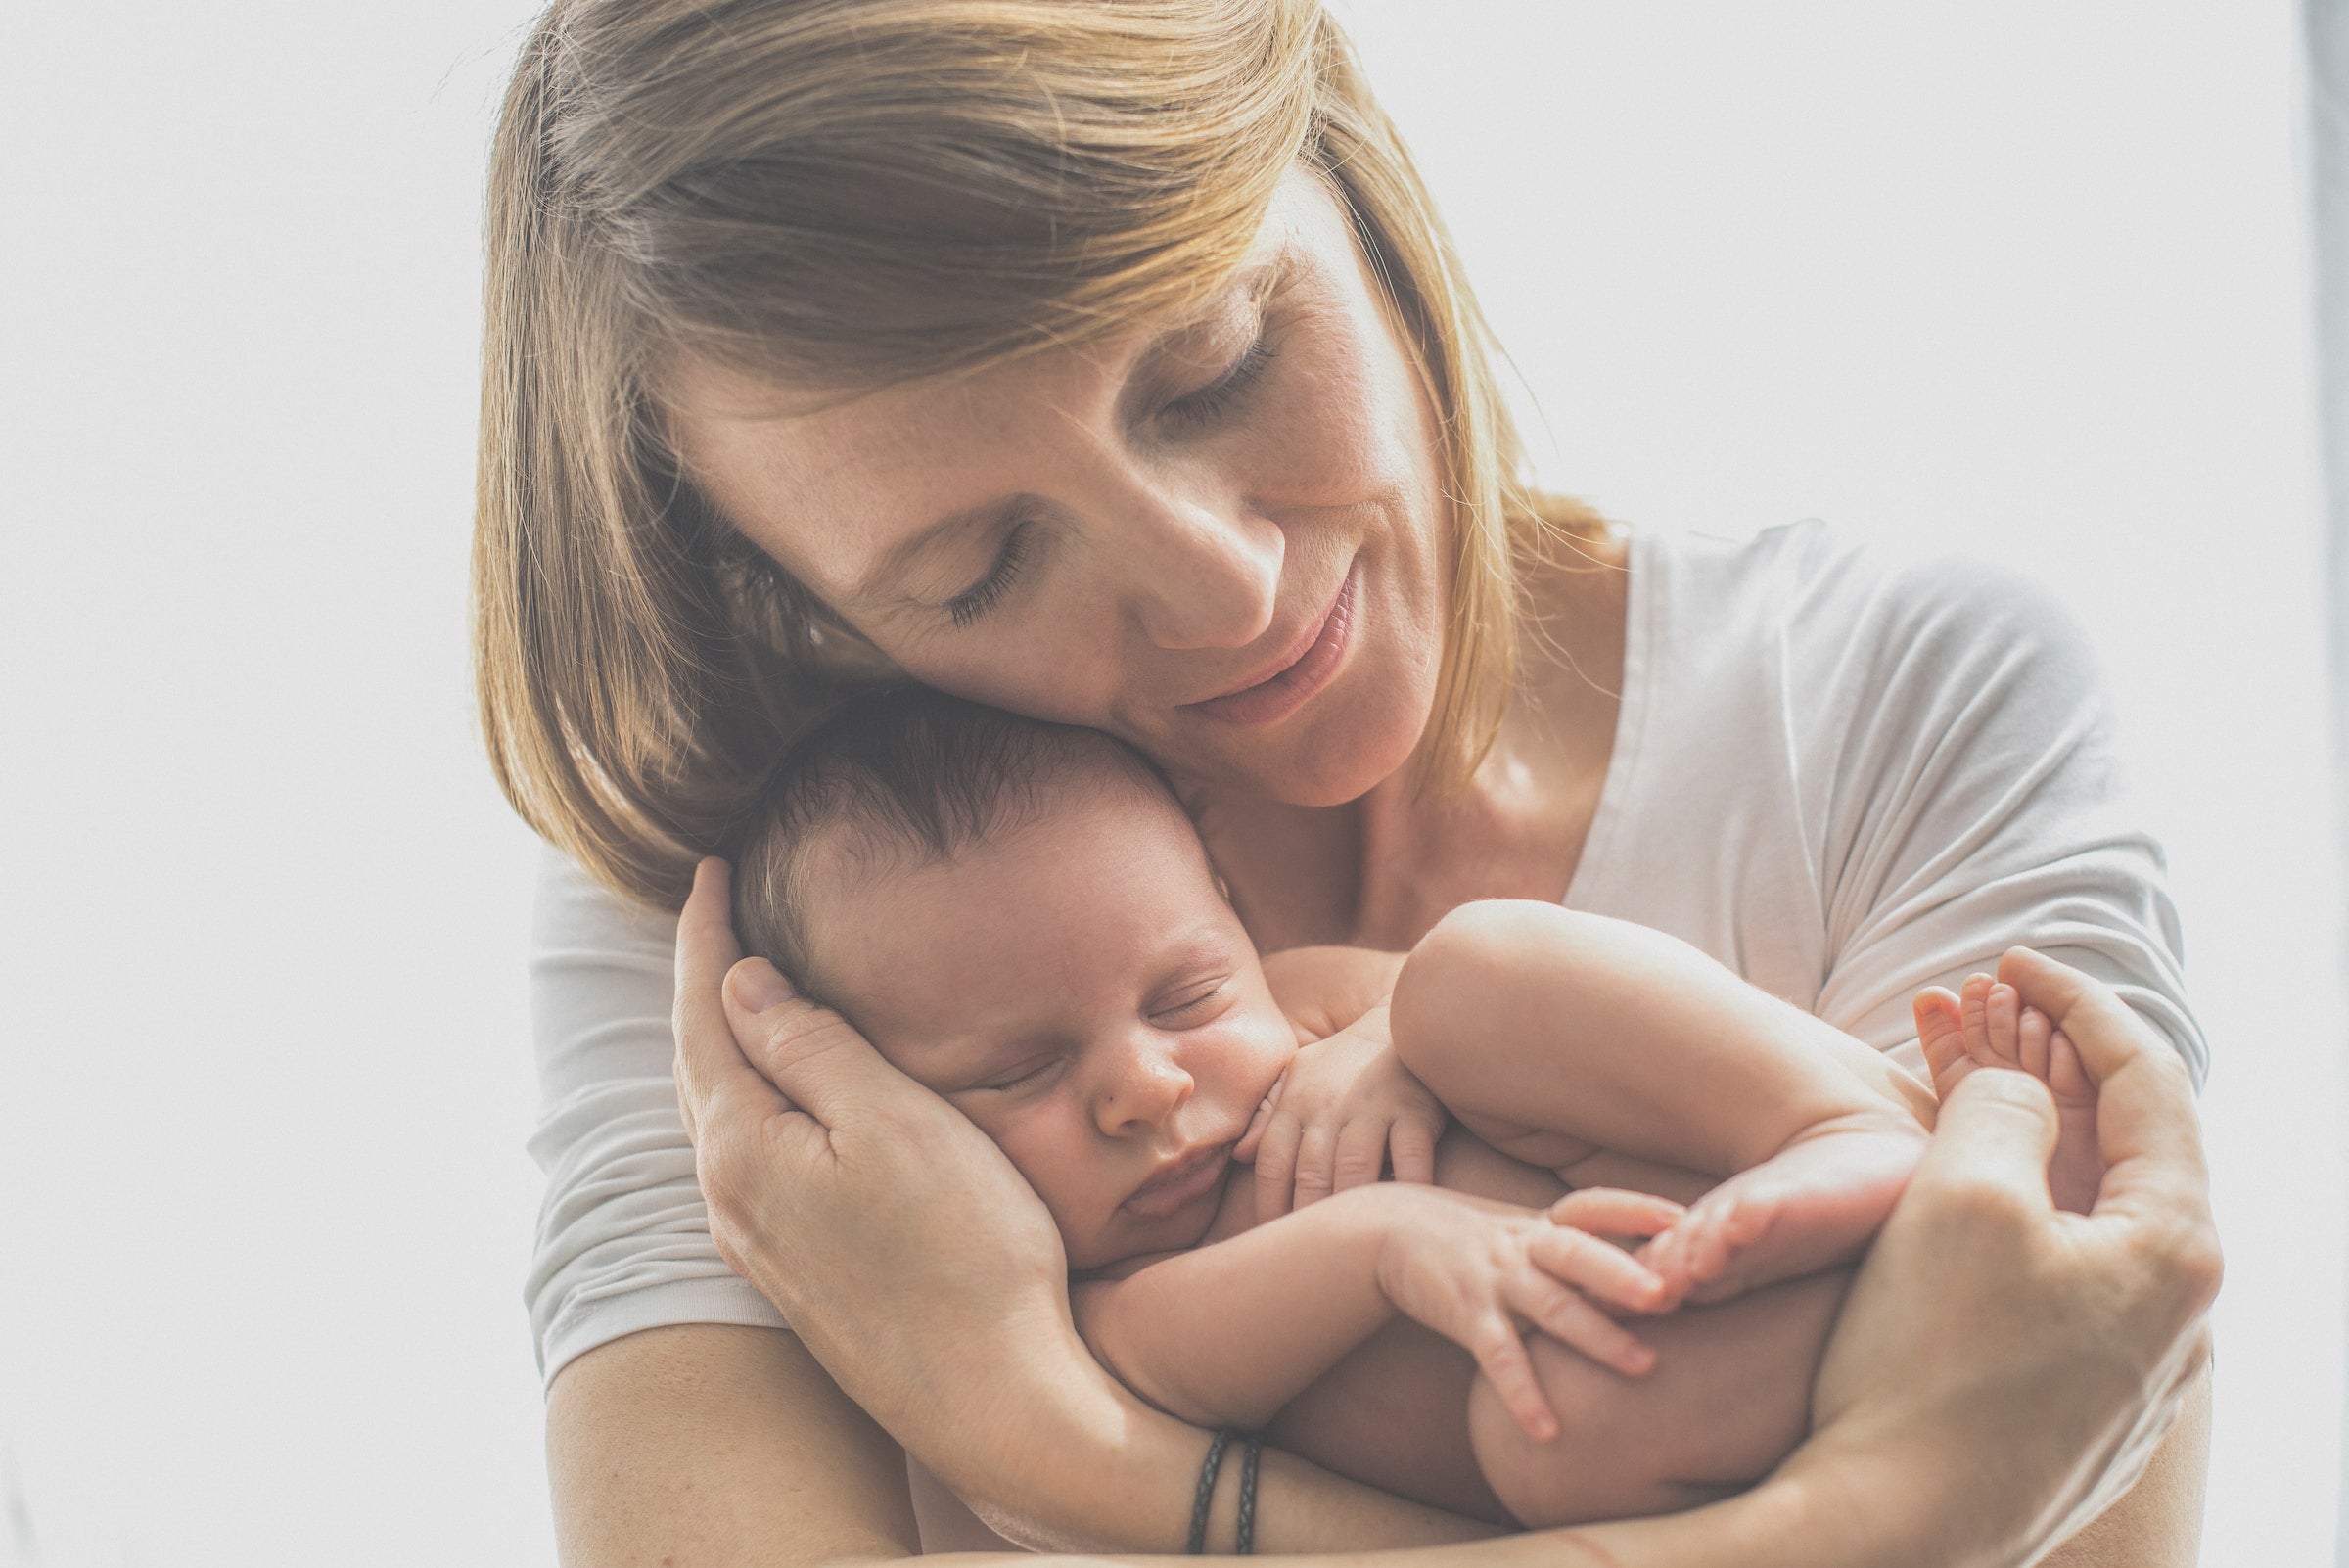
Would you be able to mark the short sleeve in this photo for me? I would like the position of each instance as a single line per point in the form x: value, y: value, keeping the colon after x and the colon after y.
x: 1974, y: 800
x: 624, y: 1239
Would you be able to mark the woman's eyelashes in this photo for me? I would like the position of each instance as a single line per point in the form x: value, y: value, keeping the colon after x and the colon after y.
x: 988, y: 592
x: 1213, y: 399
x: 1193, y: 410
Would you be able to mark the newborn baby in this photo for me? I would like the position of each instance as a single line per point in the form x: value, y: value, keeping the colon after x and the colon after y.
x: 1021, y: 917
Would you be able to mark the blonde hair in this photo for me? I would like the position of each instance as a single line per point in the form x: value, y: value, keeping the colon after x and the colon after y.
x: 845, y: 194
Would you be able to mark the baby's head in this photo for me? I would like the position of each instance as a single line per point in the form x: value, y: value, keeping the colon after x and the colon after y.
x: 1020, y: 916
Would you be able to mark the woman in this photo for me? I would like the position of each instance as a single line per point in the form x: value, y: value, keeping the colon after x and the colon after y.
x: 1108, y: 363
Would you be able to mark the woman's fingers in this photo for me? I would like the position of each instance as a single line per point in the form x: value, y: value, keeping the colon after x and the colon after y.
x: 714, y: 1076
x: 2004, y: 1130
x: 809, y: 1051
x: 2146, y: 1128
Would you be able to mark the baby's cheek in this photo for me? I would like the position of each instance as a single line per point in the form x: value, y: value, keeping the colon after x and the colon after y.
x: 1072, y: 1191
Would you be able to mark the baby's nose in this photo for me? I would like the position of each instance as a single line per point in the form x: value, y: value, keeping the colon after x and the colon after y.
x: 1147, y: 1086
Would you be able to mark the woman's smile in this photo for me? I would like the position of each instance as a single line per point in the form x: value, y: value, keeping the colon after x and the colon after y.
x: 1302, y: 671
x: 1251, y: 593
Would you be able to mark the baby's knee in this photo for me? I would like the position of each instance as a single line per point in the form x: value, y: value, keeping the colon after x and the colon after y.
x: 1459, y: 975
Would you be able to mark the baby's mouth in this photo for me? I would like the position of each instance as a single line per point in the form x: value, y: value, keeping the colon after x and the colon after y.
x: 1180, y: 1182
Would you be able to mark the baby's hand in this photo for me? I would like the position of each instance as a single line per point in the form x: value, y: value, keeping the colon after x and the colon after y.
x: 1474, y: 1270
x: 1343, y: 1108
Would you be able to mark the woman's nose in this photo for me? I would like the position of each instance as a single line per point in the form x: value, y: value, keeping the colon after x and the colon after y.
x: 1140, y: 1086
x: 1202, y: 574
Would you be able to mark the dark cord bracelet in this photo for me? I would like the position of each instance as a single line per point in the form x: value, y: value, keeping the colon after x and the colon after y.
x: 1256, y: 1445
x: 1251, y: 1445
x: 1207, y: 1491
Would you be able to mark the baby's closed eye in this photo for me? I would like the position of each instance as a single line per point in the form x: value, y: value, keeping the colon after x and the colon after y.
x: 1191, y: 1005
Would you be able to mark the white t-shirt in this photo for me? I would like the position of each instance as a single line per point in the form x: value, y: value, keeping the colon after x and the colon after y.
x: 1843, y: 778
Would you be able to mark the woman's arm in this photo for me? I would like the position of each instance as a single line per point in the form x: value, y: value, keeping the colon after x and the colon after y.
x: 709, y: 1446
x: 926, y: 1278
x: 2096, y: 1320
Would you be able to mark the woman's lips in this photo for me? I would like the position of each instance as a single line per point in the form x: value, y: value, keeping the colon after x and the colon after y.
x: 1181, y: 1185
x: 1305, y: 672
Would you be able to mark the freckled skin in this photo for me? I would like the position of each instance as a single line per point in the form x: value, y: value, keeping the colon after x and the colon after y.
x: 1167, y: 557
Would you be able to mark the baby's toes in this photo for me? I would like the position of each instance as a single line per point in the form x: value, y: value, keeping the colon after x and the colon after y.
x: 1941, y: 1033
x: 2002, y: 1016
x: 2033, y: 1034
x: 1714, y: 1236
x: 2067, y: 1077
x: 1973, y: 1005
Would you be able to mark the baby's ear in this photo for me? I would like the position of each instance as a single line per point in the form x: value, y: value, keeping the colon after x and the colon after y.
x: 1223, y: 886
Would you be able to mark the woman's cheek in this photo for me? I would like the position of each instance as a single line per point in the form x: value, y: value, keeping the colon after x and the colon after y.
x: 1026, y: 670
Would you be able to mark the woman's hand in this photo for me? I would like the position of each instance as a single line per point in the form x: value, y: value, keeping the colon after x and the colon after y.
x: 2049, y: 1349
x: 922, y: 1272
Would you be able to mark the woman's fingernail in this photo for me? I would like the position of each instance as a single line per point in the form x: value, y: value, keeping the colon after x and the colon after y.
x: 759, y: 985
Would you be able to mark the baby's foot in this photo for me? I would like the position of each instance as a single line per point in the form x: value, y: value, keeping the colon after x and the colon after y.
x: 1986, y: 1025
x: 1810, y: 1206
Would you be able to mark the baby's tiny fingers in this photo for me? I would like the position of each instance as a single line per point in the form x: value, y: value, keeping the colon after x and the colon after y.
x: 1412, y: 1145
x: 1616, y: 1212
x: 1275, y: 1167
x: 1316, y: 1151
x: 1579, y: 1259
x: 1500, y: 1355
x: 1576, y: 1324
x: 1361, y: 1154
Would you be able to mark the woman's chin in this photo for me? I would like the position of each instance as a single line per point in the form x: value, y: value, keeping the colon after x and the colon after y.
x: 1330, y: 764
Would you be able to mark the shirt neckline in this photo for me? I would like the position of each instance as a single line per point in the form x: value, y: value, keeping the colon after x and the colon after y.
x: 1642, y: 562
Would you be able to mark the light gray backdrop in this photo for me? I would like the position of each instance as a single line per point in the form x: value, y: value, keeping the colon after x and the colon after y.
x: 2028, y: 280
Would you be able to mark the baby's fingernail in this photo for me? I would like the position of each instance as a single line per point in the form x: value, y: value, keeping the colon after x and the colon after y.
x: 758, y: 985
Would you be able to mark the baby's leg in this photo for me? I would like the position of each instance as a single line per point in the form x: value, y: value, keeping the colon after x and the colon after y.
x: 1987, y: 1025
x: 1729, y: 1398
x: 1530, y: 1021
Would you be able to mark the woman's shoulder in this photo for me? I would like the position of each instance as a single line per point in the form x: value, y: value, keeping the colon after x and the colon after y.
x: 572, y: 911
x: 1842, y: 625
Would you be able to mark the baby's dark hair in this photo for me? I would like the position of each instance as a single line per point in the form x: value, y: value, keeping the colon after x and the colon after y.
x: 911, y: 772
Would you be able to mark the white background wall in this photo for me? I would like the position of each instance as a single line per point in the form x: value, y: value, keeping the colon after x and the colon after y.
x: 2017, y: 277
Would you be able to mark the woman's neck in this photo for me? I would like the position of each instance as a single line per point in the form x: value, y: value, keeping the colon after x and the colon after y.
x: 1379, y: 871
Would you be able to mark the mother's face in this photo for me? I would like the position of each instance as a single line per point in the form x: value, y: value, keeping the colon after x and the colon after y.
x: 1220, y: 540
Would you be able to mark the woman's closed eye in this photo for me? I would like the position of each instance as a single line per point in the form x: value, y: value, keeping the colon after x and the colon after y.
x: 984, y: 594
x: 1204, y: 405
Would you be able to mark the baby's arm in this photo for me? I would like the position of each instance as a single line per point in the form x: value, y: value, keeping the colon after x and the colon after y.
x: 1549, y: 1032
x: 1226, y: 1334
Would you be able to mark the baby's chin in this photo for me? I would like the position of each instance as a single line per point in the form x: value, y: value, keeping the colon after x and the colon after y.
x: 1125, y: 1236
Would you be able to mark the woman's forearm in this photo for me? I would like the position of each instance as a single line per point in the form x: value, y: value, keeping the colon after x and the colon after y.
x: 711, y: 1445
